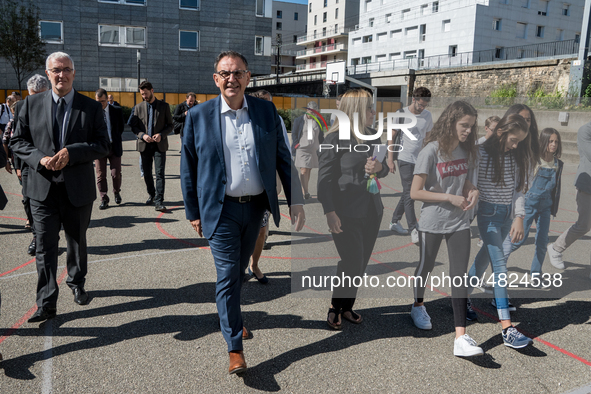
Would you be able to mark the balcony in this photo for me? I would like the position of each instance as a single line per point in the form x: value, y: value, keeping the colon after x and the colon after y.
x: 311, y: 66
x: 330, y: 33
x: 325, y: 49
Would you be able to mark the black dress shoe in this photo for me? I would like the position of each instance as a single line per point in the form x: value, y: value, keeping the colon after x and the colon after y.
x: 160, y: 208
x: 42, y: 314
x: 104, y: 205
x: 80, y: 296
x: 118, y: 198
x: 150, y: 200
x: 32, y: 247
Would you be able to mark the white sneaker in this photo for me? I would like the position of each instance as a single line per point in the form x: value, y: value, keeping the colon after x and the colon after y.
x: 414, y: 236
x: 480, y: 243
x: 485, y: 288
x: 397, y: 228
x: 511, y: 306
x: 465, y: 346
x: 555, y: 257
x: 420, y: 317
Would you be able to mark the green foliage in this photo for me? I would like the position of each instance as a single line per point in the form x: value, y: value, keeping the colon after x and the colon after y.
x: 20, y: 41
x: 541, y: 99
x: 126, y: 113
x: 504, y: 95
x: 286, y: 115
x: 587, y: 91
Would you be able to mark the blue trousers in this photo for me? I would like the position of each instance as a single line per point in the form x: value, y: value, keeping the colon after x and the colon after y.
x: 232, y: 244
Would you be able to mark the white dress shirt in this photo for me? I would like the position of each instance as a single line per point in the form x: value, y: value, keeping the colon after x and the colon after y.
x: 108, y: 121
x: 242, y: 170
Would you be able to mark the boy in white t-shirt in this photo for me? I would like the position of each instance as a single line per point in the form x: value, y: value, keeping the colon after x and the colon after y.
x: 406, y: 161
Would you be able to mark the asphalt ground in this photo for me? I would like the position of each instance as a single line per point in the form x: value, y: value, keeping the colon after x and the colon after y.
x: 151, y: 325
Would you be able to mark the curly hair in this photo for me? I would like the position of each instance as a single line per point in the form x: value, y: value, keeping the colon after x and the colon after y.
x: 444, y: 130
x: 495, y: 147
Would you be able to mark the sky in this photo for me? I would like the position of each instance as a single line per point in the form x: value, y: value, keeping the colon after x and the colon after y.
x: 294, y: 1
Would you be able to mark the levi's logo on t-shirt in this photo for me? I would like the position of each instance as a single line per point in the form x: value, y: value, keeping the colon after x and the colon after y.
x: 453, y: 168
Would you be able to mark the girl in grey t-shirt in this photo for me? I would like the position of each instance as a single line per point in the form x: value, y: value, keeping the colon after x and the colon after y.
x: 441, y: 182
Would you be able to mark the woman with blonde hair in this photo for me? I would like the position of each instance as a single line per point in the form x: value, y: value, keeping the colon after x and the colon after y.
x: 353, y: 210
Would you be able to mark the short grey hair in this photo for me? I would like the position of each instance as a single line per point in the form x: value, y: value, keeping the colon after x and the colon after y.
x: 37, y: 84
x: 313, y: 105
x: 58, y: 55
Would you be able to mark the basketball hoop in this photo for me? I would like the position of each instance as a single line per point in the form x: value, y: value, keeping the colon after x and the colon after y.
x: 329, y: 81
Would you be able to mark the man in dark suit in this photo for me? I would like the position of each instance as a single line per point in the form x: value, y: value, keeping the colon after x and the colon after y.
x: 114, y: 121
x: 233, y: 145
x: 112, y: 101
x: 180, y: 113
x: 59, y: 134
x: 151, y: 121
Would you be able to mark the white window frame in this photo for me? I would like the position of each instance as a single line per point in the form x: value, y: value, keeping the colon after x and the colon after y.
x: 540, y: 30
x: 198, y: 40
x: 446, y: 24
x: 368, y: 38
x: 364, y: 60
x: 435, y: 7
x: 388, y: 18
x: 123, y: 37
x: 262, y: 45
x: 497, y: 24
x: 61, y: 41
x: 424, y: 8
x: 190, y: 8
x: 125, y: 2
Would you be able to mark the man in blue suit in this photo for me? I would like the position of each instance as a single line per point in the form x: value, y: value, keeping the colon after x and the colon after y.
x: 232, y: 147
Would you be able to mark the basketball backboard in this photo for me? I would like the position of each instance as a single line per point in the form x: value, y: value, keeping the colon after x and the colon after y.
x: 336, y: 72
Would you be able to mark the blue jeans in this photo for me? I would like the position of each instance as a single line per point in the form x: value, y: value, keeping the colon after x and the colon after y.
x: 538, y: 205
x: 494, y: 224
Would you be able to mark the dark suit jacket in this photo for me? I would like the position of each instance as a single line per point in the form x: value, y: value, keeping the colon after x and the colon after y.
x: 162, y: 124
x: 86, y: 140
x: 179, y: 117
x: 342, y: 186
x: 117, y: 126
x: 203, y: 170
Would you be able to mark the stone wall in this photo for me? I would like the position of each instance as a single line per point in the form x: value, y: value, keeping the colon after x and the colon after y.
x: 481, y: 80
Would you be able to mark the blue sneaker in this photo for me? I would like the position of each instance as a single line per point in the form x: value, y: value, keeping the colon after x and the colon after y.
x: 470, y: 314
x: 515, y: 339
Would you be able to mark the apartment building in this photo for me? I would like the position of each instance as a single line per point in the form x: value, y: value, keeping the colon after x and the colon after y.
x: 178, y: 40
x: 452, y: 30
x: 289, y: 22
x: 326, y: 39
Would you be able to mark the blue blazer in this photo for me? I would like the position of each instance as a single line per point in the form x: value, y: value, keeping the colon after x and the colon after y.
x: 203, y: 169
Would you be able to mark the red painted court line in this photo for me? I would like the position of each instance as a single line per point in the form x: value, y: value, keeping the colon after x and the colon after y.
x: 10, y: 217
x: 14, y: 194
x: 17, y: 268
x: 567, y: 210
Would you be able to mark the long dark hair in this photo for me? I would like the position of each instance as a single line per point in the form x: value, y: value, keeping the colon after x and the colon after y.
x: 495, y: 147
x: 545, y: 141
x: 444, y: 130
x: 533, y: 131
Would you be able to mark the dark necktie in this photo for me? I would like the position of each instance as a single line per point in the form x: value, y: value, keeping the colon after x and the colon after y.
x: 150, y: 119
x: 58, y: 124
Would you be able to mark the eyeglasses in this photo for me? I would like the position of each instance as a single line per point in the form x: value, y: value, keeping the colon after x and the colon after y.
x: 238, y: 74
x: 65, y: 71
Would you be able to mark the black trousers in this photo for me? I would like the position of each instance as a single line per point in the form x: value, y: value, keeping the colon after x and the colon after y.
x: 49, y: 216
x: 406, y: 205
x: 152, y: 153
x: 26, y: 200
x: 355, y: 246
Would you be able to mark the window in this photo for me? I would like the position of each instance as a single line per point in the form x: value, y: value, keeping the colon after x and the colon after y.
x: 424, y: 9
x: 411, y: 32
x: 315, y: 19
x: 124, y: 36
x: 310, y: 7
x: 366, y: 60
x: 566, y: 10
x: 421, y: 53
x: 336, y: 13
x: 119, y: 84
x: 423, y: 33
x: 410, y: 54
x: 382, y: 36
x: 295, y: 16
x: 324, y: 17
x: 559, y: 34
x: 543, y: 10
x: 446, y: 25
x: 499, y: 52
x: 325, y: 3
x: 388, y: 18
x: 314, y: 34
x: 260, y: 8
x: 355, y: 62
x: 435, y: 6
x: 356, y: 41
x: 51, y: 32
x: 504, y: 1
x: 540, y: 31
x: 405, y: 14
x: 336, y: 28
x: 396, y: 34
x: 526, y: 3
x: 324, y: 32
x: 521, y: 30
x: 453, y: 50
x: 368, y: 5
x: 279, y: 14
x: 189, y: 5
x: 395, y: 55
x: 131, y: 2
x: 368, y: 38
x: 578, y: 38
x: 497, y: 23
x: 371, y: 20
x: 188, y: 40
x: 279, y: 26
x: 295, y: 39
x: 380, y: 58
x: 258, y: 45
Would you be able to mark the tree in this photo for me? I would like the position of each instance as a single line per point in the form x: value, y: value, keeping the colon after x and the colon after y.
x: 20, y: 41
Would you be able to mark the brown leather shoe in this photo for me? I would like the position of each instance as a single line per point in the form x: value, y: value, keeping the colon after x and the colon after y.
x: 237, y: 363
x: 245, y: 333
